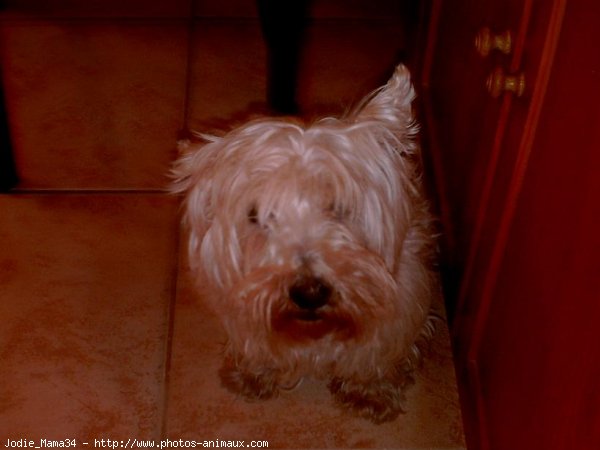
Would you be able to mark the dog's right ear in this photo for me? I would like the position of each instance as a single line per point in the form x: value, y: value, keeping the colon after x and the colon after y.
x: 192, y: 175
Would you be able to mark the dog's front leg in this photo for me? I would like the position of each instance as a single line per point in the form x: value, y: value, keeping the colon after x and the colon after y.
x: 379, y: 400
x: 261, y: 384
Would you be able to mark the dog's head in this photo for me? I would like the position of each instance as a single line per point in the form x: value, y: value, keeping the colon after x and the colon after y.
x: 300, y: 228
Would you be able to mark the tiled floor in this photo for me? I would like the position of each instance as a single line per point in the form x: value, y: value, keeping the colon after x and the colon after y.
x: 101, y: 336
x: 66, y: 80
x: 86, y: 284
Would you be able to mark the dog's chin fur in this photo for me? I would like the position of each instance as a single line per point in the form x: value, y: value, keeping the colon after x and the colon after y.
x: 335, y: 206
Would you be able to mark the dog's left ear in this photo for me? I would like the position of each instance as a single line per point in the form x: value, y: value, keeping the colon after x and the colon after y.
x: 390, y: 105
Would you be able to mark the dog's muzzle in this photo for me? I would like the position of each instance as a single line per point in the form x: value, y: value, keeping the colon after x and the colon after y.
x: 309, y: 292
x: 311, y: 313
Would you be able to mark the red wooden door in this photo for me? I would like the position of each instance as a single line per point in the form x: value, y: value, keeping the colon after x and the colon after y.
x: 535, y: 343
x: 524, y: 328
x: 461, y: 117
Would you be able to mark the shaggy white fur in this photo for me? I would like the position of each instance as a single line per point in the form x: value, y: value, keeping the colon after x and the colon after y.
x: 317, y: 245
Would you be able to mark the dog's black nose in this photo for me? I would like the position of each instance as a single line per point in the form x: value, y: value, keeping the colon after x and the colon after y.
x: 309, y: 292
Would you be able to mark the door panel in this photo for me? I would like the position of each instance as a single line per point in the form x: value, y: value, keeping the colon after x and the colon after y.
x: 465, y: 117
x: 539, y: 348
x: 520, y: 179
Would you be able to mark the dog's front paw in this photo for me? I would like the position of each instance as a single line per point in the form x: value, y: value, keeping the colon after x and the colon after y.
x: 251, y: 386
x: 378, y: 400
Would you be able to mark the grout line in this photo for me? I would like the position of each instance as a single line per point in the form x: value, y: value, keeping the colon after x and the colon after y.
x: 168, y: 349
x: 170, y: 309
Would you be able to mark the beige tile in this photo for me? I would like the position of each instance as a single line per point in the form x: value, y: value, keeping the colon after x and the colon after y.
x: 341, y: 62
x: 92, y: 104
x: 85, y: 285
x: 199, y: 409
x: 228, y: 72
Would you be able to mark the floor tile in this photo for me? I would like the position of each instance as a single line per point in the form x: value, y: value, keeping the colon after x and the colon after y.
x: 344, y: 60
x: 85, y: 286
x: 227, y: 73
x: 200, y: 409
x: 341, y: 62
x: 93, y: 104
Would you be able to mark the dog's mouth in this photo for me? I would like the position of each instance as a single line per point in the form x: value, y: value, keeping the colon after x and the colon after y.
x: 309, y: 325
x: 308, y: 316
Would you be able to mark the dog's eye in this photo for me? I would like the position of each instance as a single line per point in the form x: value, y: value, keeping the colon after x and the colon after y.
x: 336, y: 211
x: 253, y: 215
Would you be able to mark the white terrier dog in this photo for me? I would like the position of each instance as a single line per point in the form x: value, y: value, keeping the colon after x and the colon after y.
x: 318, y: 248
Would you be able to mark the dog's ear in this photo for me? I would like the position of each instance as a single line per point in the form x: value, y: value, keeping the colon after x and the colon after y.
x: 390, y: 105
x: 192, y: 176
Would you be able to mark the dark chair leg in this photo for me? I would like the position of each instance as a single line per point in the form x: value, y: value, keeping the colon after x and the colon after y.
x: 8, y: 173
x: 283, y: 24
